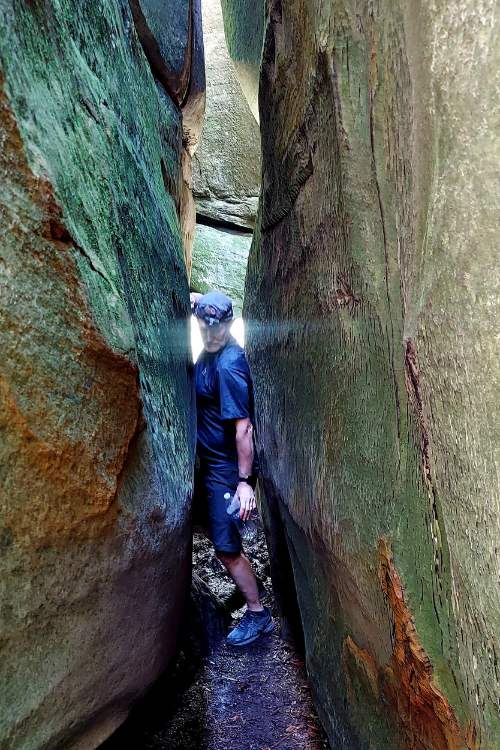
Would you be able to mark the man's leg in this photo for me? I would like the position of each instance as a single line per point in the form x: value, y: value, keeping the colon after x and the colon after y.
x: 239, y: 568
x: 226, y: 539
x: 257, y: 620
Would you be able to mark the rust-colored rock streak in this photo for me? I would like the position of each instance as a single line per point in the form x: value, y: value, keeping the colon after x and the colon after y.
x: 65, y: 435
x: 427, y: 719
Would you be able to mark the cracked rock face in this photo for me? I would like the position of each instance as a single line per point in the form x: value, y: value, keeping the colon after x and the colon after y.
x: 96, y: 440
x: 373, y: 299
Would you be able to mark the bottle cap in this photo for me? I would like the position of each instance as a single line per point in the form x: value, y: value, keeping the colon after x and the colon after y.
x: 226, y: 496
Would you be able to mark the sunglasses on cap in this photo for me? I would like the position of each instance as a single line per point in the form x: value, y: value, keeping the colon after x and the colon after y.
x: 212, y: 315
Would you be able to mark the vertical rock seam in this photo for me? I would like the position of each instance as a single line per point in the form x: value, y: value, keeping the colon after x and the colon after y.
x: 172, y: 40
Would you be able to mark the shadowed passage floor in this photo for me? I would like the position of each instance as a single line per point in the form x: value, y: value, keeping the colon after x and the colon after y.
x: 224, y: 698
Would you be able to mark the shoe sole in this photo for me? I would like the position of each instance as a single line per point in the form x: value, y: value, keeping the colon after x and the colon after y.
x: 268, y: 629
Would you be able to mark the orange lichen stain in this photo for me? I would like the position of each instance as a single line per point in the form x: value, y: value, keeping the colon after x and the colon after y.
x: 404, y: 686
x: 427, y: 719
x: 66, y: 431
x: 62, y: 486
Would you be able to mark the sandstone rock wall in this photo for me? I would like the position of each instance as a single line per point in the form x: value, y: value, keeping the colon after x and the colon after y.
x: 220, y: 262
x: 96, y: 432
x: 374, y: 297
x: 226, y: 171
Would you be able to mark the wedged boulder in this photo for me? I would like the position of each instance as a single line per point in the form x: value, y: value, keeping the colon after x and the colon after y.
x: 166, y: 34
x: 226, y: 166
x: 244, y: 23
x: 96, y: 424
x: 371, y: 302
x: 219, y: 262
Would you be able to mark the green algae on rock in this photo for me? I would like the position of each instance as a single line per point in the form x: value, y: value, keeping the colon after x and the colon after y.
x: 97, y: 433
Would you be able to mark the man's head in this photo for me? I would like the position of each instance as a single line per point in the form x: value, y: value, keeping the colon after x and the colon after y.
x: 214, y: 312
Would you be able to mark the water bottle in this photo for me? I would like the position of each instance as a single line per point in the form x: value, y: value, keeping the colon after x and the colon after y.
x: 247, y: 529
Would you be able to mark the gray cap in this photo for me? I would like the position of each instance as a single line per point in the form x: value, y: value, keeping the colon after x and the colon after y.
x: 214, y: 308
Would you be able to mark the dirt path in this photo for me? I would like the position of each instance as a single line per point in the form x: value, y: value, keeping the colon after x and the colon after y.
x: 255, y: 698
x: 258, y: 699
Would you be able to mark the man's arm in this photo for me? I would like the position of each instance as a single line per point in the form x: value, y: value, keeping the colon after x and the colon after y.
x: 244, y: 447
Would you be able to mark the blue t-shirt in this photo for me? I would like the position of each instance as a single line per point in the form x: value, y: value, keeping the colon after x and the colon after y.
x: 223, y: 394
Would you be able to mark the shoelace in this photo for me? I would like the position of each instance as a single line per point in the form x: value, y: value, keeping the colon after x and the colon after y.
x: 247, y: 617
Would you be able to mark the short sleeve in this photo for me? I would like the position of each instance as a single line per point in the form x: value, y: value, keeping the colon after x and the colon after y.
x: 234, y: 390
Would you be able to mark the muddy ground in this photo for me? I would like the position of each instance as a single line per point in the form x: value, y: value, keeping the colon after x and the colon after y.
x: 221, y: 698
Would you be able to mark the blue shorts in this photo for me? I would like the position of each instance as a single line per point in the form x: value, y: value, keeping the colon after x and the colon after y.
x: 210, y: 511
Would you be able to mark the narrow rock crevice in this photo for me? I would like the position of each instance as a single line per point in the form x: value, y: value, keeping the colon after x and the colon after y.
x: 221, y: 698
x: 219, y: 223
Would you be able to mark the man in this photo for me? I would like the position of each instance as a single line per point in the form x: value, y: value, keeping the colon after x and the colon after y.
x: 224, y: 403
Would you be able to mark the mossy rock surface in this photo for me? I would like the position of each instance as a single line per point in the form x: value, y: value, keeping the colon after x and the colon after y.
x: 96, y: 417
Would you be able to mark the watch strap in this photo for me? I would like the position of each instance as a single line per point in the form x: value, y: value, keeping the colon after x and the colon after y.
x: 251, y: 480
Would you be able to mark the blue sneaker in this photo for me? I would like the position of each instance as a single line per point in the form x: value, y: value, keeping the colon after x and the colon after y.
x: 251, y: 626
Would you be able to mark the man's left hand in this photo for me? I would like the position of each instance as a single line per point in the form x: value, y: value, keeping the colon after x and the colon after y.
x: 194, y: 298
x: 247, y: 500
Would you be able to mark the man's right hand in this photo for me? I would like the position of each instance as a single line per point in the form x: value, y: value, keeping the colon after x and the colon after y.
x: 247, y: 500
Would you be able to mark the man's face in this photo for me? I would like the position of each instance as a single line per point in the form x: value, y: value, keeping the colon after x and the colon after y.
x: 214, y: 337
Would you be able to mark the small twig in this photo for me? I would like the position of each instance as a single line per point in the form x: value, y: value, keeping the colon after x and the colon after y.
x: 277, y: 743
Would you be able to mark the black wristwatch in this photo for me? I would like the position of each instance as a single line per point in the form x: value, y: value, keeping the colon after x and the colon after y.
x: 251, y: 480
